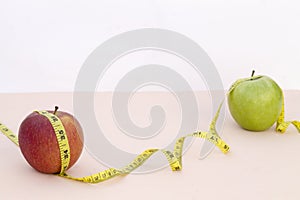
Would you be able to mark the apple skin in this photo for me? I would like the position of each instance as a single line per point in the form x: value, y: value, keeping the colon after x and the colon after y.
x: 255, y: 103
x: 38, y: 142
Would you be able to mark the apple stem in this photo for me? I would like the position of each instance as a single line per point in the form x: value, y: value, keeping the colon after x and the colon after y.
x: 55, y: 110
x: 253, y: 71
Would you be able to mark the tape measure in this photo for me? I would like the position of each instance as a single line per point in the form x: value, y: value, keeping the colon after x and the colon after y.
x: 281, y: 125
x: 61, y: 137
x: 174, y: 158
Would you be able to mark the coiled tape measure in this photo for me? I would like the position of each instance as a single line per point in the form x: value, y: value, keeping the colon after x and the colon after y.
x: 174, y: 158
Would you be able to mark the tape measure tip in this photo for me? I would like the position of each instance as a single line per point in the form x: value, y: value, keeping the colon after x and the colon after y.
x: 225, y: 150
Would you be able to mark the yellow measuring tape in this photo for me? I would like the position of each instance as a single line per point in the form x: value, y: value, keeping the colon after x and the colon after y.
x: 282, y: 125
x: 174, y: 158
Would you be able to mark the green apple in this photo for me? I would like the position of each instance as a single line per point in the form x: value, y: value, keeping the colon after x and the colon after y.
x: 255, y: 103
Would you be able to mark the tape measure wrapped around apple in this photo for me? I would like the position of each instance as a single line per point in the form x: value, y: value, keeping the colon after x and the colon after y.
x: 39, y: 142
x: 257, y: 102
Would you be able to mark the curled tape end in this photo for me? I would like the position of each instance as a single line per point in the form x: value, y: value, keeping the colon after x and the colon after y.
x: 225, y: 150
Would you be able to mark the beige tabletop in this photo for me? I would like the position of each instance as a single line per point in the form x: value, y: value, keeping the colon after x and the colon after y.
x: 260, y: 165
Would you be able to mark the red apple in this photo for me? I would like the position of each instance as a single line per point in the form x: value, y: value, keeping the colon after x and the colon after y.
x: 39, y: 145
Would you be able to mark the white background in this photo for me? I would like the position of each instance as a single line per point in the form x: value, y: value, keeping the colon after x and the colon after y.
x: 43, y: 43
